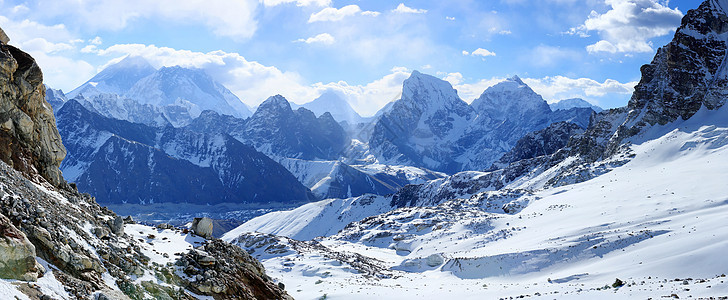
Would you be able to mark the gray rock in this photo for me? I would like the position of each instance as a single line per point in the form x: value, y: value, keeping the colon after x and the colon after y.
x: 117, y: 225
x: 202, y: 227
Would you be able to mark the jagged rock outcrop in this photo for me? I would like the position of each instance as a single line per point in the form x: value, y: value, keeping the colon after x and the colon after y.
x: 29, y: 140
x: 538, y: 143
x: 228, y: 272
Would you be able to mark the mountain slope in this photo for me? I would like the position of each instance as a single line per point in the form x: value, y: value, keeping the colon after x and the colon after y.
x: 123, y: 162
x: 115, y: 79
x: 56, y: 243
x: 190, y: 88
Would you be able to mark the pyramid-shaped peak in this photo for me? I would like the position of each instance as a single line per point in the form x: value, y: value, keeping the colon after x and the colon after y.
x: 135, y: 61
x: 275, y: 102
x: 516, y: 79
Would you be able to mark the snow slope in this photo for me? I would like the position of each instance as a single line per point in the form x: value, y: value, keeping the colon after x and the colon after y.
x: 658, y: 217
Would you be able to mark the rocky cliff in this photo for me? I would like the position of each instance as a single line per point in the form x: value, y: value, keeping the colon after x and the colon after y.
x: 29, y: 140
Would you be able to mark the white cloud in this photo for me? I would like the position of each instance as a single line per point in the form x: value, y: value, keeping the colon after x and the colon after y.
x: 403, y: 9
x: 254, y: 82
x: 96, y: 41
x: 454, y: 78
x: 466, y: 52
x: 555, y: 88
x: 450, y: 18
x: 370, y: 13
x: 49, y: 46
x: 370, y: 98
x: 323, y: 38
x: 629, y: 25
x: 333, y: 14
x: 235, y: 19
x: 482, y: 52
x: 298, y: 2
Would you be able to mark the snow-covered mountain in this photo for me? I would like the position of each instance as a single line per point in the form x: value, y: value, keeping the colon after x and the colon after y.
x: 431, y: 127
x: 133, y: 90
x: 280, y: 132
x: 123, y: 162
x: 334, y: 104
x: 566, y: 104
x: 639, y: 195
x: 189, y: 88
x: 115, y: 79
x: 54, y: 97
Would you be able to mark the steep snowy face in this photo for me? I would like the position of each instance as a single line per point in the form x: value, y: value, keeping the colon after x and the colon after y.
x: 418, y: 129
x: 187, y: 87
x: 511, y: 100
x: 117, y: 78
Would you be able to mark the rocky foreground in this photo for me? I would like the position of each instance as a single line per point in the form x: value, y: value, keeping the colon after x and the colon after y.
x: 58, y: 243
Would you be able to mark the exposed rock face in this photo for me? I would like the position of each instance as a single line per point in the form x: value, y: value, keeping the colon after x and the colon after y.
x: 4, y: 39
x: 29, y: 140
x: 543, y: 142
x: 225, y: 271
x: 17, y: 254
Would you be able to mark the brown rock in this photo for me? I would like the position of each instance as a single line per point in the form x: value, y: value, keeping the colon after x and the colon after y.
x: 4, y: 39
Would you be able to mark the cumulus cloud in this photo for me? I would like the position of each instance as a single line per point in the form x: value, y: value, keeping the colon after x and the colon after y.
x: 403, y: 9
x: 479, y: 52
x: 334, y: 14
x: 454, y: 78
x: 555, y: 88
x: 482, y: 52
x: 323, y: 38
x: 629, y: 25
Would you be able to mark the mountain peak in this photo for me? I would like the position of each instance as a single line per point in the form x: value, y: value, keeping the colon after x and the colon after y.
x: 135, y: 61
x: 276, y: 102
x: 429, y: 91
x: 516, y: 79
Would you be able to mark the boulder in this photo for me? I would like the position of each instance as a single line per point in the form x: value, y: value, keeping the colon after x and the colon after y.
x: 435, y: 260
x: 202, y: 227
x: 17, y: 254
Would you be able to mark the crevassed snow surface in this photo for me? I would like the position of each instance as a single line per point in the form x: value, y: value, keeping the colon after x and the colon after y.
x: 658, y: 218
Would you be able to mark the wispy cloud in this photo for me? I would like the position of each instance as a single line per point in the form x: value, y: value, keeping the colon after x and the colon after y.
x: 323, y: 38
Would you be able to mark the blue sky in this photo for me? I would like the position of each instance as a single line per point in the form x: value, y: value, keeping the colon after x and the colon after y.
x: 364, y: 49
